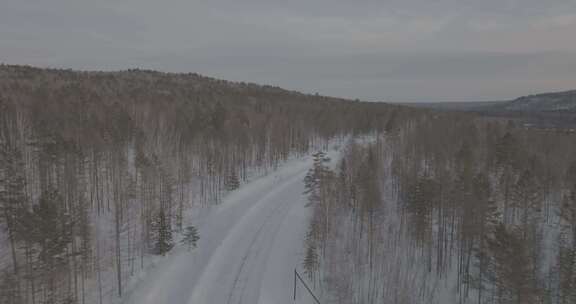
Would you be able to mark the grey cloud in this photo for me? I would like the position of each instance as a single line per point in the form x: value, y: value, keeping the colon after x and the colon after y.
x: 394, y: 49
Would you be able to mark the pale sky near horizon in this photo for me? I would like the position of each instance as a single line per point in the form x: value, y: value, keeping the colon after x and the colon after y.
x: 388, y: 50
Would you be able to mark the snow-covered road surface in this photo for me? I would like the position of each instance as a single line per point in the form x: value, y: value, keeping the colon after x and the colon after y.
x: 248, y: 248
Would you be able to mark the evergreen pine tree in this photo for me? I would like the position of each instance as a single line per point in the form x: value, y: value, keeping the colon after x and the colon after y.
x: 164, y: 235
x: 315, y: 176
x: 52, y: 228
x: 511, y: 270
x: 232, y: 182
x: 567, y: 273
x: 311, y: 262
x: 12, y: 196
x: 191, y: 237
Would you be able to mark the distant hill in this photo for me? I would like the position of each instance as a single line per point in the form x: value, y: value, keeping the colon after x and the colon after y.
x: 560, y: 102
x: 540, y: 110
x: 547, y: 102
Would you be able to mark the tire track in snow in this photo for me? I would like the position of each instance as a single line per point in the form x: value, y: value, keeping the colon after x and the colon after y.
x: 248, y: 249
x: 256, y: 269
x: 252, y: 253
x: 217, y: 280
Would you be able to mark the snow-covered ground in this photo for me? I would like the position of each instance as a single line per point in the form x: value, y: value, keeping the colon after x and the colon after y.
x: 249, y: 247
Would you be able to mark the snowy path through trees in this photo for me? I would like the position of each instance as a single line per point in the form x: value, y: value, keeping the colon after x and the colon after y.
x: 247, y: 251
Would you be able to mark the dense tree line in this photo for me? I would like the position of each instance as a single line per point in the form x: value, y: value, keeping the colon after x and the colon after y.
x: 100, y: 170
x: 448, y: 208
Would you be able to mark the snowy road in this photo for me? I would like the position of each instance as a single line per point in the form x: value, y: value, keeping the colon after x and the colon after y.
x: 247, y: 251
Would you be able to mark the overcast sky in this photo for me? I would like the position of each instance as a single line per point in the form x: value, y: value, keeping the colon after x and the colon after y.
x: 389, y: 50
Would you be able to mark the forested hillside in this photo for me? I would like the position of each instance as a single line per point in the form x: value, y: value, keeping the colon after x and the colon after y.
x: 99, y: 171
x: 548, y: 110
x: 548, y: 102
x: 447, y: 208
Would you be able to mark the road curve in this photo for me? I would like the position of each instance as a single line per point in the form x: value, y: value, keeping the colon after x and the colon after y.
x: 247, y: 251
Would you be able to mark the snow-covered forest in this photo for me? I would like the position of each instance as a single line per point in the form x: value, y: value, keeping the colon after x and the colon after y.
x: 446, y: 208
x: 102, y: 171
